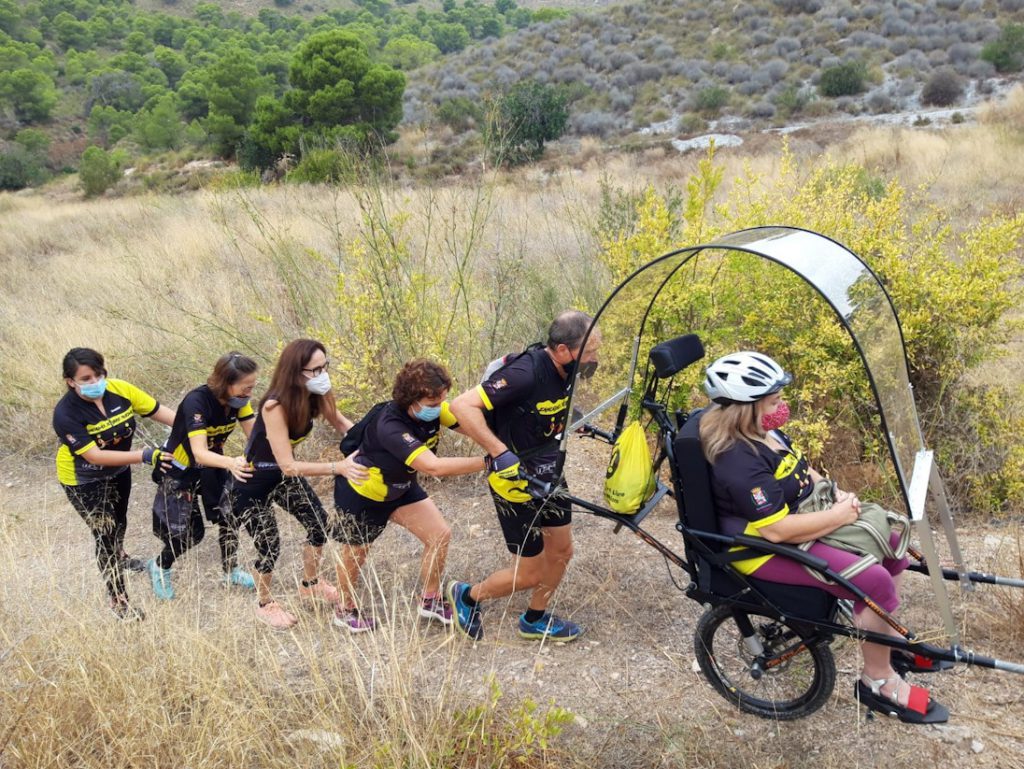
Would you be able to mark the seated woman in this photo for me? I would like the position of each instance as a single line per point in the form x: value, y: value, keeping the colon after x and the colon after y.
x: 759, y: 479
x: 397, y: 444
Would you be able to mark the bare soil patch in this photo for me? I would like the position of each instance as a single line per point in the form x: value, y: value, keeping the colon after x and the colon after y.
x: 630, y: 680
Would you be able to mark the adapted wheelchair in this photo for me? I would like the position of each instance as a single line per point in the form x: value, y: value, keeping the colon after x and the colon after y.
x: 765, y: 646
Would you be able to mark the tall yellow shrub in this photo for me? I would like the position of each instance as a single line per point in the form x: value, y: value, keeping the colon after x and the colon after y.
x: 954, y: 292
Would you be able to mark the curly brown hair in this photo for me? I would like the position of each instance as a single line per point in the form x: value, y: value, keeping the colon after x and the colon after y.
x: 419, y: 378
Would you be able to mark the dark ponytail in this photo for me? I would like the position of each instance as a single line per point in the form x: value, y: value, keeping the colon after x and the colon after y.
x: 228, y: 369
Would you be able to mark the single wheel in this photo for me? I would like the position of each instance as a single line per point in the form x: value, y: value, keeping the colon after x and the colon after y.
x: 787, y: 679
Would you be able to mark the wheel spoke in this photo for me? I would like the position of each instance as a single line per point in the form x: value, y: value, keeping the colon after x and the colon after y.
x: 788, y: 679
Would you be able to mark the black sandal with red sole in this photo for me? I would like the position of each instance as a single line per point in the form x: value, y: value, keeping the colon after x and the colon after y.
x: 920, y: 707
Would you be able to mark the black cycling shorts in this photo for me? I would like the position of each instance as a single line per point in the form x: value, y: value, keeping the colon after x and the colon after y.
x: 362, y: 520
x: 521, y: 522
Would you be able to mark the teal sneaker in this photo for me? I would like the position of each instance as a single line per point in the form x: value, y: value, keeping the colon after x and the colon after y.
x: 465, y: 617
x: 549, y: 626
x: 239, y: 577
x: 161, y: 579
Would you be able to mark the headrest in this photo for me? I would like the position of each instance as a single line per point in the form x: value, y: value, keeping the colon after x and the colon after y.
x: 671, y: 357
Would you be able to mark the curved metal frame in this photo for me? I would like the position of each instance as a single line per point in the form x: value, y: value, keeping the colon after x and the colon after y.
x: 724, y: 245
x: 925, y: 477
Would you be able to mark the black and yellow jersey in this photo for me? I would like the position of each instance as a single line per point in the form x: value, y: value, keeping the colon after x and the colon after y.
x: 530, y: 401
x: 80, y: 425
x: 258, y: 450
x: 758, y: 486
x: 390, y: 444
x: 200, y: 413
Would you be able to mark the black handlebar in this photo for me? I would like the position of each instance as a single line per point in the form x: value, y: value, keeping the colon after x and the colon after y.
x: 535, y: 487
x: 588, y: 430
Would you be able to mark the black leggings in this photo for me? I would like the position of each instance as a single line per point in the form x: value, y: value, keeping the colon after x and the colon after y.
x: 212, y: 483
x: 252, y: 504
x: 103, y: 506
x: 209, y: 488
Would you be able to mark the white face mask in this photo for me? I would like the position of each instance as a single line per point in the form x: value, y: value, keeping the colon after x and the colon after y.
x: 320, y: 384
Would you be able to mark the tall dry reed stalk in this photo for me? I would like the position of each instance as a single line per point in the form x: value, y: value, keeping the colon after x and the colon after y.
x: 199, y: 683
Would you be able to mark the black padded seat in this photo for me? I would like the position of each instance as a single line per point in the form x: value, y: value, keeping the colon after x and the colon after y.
x: 697, y: 511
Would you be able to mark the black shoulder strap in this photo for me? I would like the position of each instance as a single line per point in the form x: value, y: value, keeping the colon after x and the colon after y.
x: 537, y: 352
x: 354, y: 437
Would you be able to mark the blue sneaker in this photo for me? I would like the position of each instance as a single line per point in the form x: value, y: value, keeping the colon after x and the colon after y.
x: 240, y: 578
x: 549, y: 626
x: 467, y: 618
x: 161, y: 579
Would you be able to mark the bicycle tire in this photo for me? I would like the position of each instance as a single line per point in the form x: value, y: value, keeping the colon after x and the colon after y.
x: 798, y: 678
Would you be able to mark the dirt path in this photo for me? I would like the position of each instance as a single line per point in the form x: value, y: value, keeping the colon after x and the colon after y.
x: 630, y: 680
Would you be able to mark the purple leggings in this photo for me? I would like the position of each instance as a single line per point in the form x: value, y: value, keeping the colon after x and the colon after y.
x: 876, y: 580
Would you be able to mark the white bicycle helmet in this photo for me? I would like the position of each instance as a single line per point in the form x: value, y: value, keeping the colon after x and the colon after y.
x: 744, y: 377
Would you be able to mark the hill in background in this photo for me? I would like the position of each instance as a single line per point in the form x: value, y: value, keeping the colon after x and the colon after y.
x: 636, y: 65
x: 178, y: 76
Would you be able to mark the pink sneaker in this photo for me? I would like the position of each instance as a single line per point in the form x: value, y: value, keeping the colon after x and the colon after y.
x: 353, y: 620
x: 274, y: 615
x: 319, y: 590
x: 436, y: 607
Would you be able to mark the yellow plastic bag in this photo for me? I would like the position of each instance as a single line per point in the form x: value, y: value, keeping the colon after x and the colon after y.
x: 629, y: 481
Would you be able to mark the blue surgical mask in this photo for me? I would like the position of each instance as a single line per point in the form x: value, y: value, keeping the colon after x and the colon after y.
x: 428, y: 413
x: 237, y: 401
x: 93, y: 390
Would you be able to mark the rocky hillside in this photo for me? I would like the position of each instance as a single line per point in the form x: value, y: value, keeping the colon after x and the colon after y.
x: 765, y: 62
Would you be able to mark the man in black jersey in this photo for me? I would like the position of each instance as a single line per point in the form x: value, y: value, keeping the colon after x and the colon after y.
x: 529, y: 398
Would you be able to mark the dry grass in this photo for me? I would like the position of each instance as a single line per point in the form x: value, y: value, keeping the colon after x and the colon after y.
x: 163, y: 284
x: 200, y: 683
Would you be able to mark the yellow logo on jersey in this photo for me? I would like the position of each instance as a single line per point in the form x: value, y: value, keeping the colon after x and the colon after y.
x: 788, y: 464
x: 550, y: 408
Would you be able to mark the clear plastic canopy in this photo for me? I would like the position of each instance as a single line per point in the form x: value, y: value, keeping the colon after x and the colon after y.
x: 629, y: 329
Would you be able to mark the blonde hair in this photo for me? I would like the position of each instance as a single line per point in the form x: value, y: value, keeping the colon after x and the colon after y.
x: 722, y: 427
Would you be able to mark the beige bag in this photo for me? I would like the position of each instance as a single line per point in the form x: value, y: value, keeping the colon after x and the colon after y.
x: 868, y: 536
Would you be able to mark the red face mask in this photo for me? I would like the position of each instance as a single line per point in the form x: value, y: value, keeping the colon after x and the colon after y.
x: 777, y: 418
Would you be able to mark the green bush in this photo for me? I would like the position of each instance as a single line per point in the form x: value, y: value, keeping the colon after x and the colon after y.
x: 792, y: 100
x: 323, y: 166
x: 31, y: 94
x: 843, y: 79
x: 523, y: 120
x: 160, y: 127
x: 98, y: 171
x: 108, y: 125
x: 692, y: 123
x: 19, y: 167
x: 339, y: 95
x: 460, y: 113
x: 34, y: 140
x: 710, y: 100
x: 408, y: 52
x: 234, y: 180
x: 1006, y: 53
